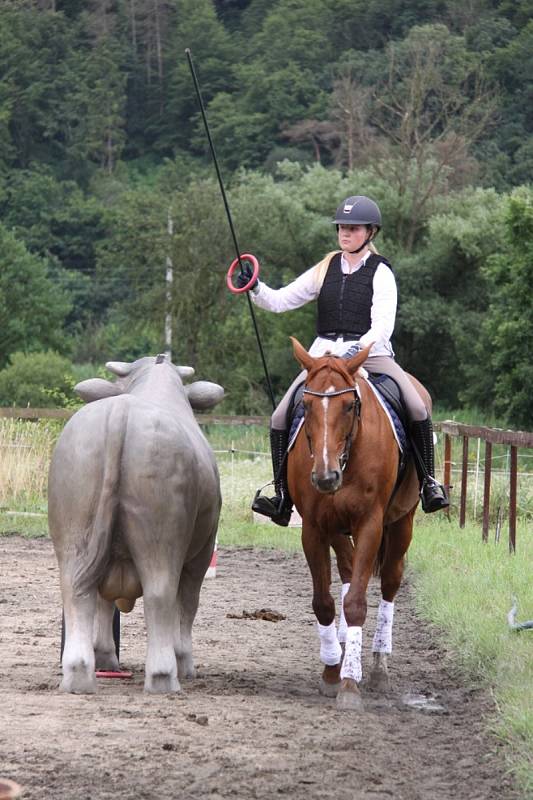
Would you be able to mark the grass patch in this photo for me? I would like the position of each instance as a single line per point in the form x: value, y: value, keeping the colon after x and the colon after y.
x: 466, y: 588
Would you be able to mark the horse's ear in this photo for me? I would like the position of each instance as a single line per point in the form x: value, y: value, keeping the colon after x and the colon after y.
x: 353, y: 363
x: 301, y: 355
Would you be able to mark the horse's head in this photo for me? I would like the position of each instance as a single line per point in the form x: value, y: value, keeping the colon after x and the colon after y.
x: 331, y: 405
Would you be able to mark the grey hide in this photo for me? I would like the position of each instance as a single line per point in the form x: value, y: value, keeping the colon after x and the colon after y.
x: 133, y: 508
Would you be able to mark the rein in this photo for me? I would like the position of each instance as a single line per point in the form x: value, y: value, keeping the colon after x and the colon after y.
x: 345, y: 455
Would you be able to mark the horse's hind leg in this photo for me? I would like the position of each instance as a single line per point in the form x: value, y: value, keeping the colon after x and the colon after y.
x: 398, y: 538
x: 318, y: 557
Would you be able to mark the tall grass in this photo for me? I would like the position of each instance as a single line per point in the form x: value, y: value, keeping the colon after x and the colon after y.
x: 466, y: 587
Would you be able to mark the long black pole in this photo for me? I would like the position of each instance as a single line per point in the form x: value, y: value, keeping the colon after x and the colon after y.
x: 228, y: 214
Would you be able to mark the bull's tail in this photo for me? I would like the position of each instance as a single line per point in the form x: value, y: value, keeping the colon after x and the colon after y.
x: 95, y: 552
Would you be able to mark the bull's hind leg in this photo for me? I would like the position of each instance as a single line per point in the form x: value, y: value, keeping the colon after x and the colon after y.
x: 398, y: 538
x: 78, y: 654
x: 318, y: 557
x: 104, y: 645
x: 188, y: 597
x: 160, y: 612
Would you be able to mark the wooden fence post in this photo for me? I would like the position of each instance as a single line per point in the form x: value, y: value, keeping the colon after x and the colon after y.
x: 513, y: 468
x: 486, y: 491
x: 464, y: 479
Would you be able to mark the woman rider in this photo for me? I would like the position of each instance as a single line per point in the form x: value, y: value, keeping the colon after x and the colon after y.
x: 356, y: 295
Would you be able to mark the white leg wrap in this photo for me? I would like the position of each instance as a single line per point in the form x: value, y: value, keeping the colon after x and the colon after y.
x: 343, y: 627
x: 330, y: 649
x: 351, y: 663
x: 383, y: 636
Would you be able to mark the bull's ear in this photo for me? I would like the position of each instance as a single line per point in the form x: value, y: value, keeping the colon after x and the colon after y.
x: 96, y: 389
x: 185, y: 372
x: 120, y: 368
x: 204, y: 395
x: 301, y: 355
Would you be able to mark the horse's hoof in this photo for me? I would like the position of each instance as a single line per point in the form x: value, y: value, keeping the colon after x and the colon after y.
x: 328, y: 689
x: 349, y: 697
x: 379, y: 681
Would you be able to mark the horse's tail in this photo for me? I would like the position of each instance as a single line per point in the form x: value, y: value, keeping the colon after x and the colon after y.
x: 381, y: 555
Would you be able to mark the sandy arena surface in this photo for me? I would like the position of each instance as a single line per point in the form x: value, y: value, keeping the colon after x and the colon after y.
x: 252, y: 724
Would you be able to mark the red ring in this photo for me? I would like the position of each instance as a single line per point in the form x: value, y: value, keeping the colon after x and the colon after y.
x: 233, y: 266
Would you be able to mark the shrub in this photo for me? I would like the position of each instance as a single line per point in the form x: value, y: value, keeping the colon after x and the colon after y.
x: 39, y: 380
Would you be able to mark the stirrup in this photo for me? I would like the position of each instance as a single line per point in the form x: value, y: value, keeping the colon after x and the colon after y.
x: 433, y: 496
x: 276, y: 508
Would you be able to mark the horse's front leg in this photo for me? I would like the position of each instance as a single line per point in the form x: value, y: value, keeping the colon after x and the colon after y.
x: 344, y: 549
x: 317, y: 553
x: 369, y: 534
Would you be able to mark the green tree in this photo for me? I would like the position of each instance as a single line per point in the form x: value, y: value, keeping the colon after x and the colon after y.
x: 32, y: 310
x: 509, y: 322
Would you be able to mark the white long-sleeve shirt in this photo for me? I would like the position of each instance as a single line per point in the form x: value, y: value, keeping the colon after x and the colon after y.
x: 304, y: 289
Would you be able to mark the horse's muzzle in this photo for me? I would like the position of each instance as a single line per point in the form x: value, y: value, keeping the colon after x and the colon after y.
x: 327, y: 483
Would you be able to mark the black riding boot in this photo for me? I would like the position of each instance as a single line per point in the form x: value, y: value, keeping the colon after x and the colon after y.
x: 432, y: 494
x: 279, y: 507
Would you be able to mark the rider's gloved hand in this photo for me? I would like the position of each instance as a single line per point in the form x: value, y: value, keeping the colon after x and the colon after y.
x: 244, y: 277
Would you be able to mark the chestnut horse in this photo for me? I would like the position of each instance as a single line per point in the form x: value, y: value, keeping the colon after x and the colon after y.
x: 342, y: 474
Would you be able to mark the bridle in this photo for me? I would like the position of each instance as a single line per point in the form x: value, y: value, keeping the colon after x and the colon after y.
x: 345, y: 455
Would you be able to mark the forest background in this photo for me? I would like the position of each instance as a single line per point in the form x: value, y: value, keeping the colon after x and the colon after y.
x: 425, y: 105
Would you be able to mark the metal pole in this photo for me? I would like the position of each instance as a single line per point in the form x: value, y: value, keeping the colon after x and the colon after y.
x: 169, y: 280
x: 230, y: 221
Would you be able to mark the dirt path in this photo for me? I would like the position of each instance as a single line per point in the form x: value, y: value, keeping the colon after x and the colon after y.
x: 252, y: 725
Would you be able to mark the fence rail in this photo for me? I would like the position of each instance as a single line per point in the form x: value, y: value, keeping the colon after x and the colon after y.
x: 449, y: 428
x: 491, y: 436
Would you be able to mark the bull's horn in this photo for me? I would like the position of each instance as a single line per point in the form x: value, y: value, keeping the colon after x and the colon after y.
x: 185, y: 372
x: 96, y: 389
x: 120, y: 368
x: 204, y: 395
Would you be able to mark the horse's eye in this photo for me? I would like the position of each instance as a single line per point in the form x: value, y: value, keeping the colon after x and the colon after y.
x: 350, y: 407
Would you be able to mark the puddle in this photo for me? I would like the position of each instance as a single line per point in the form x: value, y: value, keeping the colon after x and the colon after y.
x: 422, y: 702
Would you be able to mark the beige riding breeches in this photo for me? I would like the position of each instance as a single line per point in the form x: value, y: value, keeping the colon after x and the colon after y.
x: 383, y: 364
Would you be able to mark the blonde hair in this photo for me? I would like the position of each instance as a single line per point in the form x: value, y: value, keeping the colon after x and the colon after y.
x: 322, y: 267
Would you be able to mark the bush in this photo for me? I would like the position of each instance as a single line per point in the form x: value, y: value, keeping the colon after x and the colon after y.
x: 39, y: 380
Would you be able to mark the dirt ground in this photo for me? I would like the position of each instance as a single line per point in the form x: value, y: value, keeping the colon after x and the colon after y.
x: 252, y: 724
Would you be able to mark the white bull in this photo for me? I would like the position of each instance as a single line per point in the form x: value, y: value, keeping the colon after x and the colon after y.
x: 134, y: 501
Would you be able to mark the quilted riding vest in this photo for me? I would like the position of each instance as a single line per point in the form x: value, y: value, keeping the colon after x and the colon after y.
x: 345, y: 301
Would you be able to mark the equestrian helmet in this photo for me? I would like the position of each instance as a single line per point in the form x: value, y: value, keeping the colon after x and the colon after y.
x: 358, y: 210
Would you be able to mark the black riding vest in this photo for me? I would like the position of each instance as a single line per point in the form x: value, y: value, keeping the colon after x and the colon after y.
x: 345, y: 301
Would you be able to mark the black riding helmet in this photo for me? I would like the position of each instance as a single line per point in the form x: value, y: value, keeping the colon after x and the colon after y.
x: 359, y: 210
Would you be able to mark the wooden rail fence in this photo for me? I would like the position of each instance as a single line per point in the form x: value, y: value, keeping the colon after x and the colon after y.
x: 491, y: 436
x: 449, y: 429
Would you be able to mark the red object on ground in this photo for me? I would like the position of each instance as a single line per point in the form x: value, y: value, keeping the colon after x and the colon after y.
x: 233, y: 266
x: 212, y: 568
x: 102, y: 673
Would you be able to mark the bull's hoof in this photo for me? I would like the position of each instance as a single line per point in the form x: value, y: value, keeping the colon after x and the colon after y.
x: 77, y: 683
x: 161, y: 684
x: 349, y: 697
x: 186, y: 668
x: 106, y: 661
